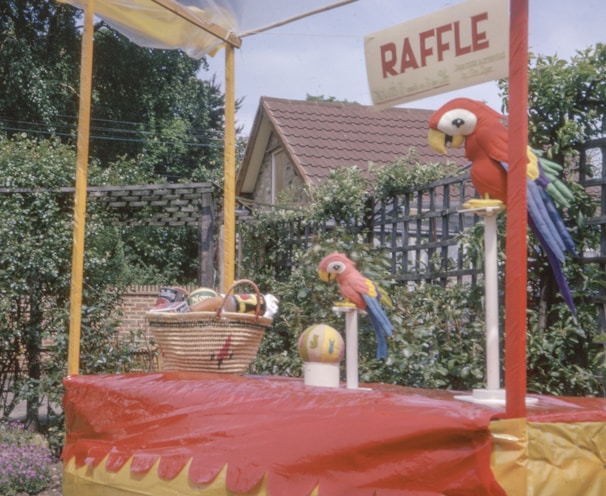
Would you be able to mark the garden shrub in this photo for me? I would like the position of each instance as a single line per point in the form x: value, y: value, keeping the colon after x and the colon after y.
x: 409, y: 172
x: 305, y: 300
x: 439, y: 337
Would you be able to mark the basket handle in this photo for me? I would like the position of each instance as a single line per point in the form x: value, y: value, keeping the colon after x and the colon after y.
x: 232, y: 287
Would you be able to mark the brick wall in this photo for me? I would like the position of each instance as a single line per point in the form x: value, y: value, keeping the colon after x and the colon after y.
x: 137, y: 301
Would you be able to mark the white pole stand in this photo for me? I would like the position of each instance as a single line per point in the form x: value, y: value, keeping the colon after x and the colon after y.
x: 493, y: 394
x: 351, y: 344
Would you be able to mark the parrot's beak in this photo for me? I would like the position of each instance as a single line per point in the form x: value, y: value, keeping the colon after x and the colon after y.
x: 438, y: 141
x: 326, y: 276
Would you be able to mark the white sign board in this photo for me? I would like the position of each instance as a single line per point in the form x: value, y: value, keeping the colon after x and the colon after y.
x: 456, y: 47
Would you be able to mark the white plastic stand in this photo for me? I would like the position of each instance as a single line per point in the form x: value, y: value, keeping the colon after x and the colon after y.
x: 323, y: 374
x: 493, y: 394
x: 351, y: 344
x: 491, y: 292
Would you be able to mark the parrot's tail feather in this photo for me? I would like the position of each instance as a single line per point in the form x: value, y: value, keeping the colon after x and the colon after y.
x: 547, y: 225
x: 543, y: 222
x: 562, y: 283
x: 558, y: 222
x: 380, y: 324
x: 556, y: 267
x: 378, y: 315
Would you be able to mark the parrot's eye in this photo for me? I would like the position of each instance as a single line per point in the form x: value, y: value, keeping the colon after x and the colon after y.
x: 336, y: 267
x: 458, y: 122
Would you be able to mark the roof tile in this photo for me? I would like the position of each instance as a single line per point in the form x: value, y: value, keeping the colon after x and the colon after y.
x: 325, y: 135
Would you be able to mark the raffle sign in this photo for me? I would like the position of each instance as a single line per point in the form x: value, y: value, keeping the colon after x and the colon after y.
x: 460, y: 46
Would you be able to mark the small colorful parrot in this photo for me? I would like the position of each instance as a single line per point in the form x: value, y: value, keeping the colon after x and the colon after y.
x: 360, y: 291
x: 480, y: 128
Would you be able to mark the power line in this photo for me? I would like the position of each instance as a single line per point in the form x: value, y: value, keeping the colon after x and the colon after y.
x: 35, y: 128
x: 142, y: 125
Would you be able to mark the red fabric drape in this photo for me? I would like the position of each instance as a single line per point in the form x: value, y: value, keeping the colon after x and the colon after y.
x: 385, y: 441
x: 516, y: 248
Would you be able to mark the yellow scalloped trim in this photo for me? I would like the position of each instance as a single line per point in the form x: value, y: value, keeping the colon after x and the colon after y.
x: 98, y: 481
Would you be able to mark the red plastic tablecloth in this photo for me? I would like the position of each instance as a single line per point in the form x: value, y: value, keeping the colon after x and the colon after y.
x: 384, y: 441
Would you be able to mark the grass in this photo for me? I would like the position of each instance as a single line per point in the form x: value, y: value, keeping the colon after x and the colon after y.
x: 24, y: 461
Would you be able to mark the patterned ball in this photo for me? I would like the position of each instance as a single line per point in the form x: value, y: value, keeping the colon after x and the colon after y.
x: 321, y: 343
x: 199, y: 295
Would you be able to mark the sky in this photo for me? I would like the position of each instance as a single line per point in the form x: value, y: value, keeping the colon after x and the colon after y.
x: 324, y: 54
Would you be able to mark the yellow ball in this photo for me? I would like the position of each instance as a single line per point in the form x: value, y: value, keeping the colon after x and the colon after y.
x: 321, y: 343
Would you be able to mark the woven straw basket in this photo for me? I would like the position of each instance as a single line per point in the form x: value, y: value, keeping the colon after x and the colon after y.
x: 218, y: 341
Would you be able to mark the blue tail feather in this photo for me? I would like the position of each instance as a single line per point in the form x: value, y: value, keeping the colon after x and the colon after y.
x: 380, y: 324
x: 558, y: 222
x: 556, y: 266
x: 543, y: 222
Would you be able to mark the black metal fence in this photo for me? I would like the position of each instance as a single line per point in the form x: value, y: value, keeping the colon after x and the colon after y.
x: 418, y: 229
x: 421, y: 227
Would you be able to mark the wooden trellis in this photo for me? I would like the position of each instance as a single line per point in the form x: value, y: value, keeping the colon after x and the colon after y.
x: 155, y: 205
x: 165, y: 205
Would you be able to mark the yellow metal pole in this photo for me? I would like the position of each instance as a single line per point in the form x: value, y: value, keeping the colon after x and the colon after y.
x: 229, y: 179
x: 86, y: 64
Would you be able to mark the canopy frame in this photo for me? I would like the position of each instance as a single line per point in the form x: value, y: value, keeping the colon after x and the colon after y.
x: 229, y: 157
x: 232, y: 41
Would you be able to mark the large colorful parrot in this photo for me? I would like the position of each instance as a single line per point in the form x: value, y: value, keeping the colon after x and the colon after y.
x: 360, y: 291
x: 480, y: 128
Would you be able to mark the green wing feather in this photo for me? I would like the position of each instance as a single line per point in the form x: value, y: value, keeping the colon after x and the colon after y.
x: 557, y: 189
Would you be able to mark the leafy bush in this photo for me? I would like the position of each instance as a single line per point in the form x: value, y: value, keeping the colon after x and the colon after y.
x: 409, y: 172
x: 341, y: 197
x: 564, y: 359
x: 35, y: 281
x: 305, y: 300
x: 438, y: 342
x: 24, y: 461
x: 438, y: 338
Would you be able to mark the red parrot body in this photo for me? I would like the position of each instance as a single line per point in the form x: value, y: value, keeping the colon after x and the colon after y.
x: 360, y: 291
x: 486, y: 147
x: 353, y: 285
x: 481, y: 129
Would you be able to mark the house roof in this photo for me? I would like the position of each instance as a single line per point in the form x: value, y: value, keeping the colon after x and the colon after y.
x: 320, y: 136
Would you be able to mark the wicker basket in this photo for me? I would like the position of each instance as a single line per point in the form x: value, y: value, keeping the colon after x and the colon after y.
x: 218, y: 341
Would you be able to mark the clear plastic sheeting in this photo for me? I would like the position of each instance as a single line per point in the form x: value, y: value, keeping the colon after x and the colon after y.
x: 163, y: 23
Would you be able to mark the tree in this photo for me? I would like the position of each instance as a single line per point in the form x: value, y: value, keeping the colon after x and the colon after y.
x: 566, y: 100
x: 35, y: 270
x: 39, y: 65
x: 151, y: 105
x: 148, y: 105
x: 151, y: 111
x: 322, y: 98
x: 567, y: 109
